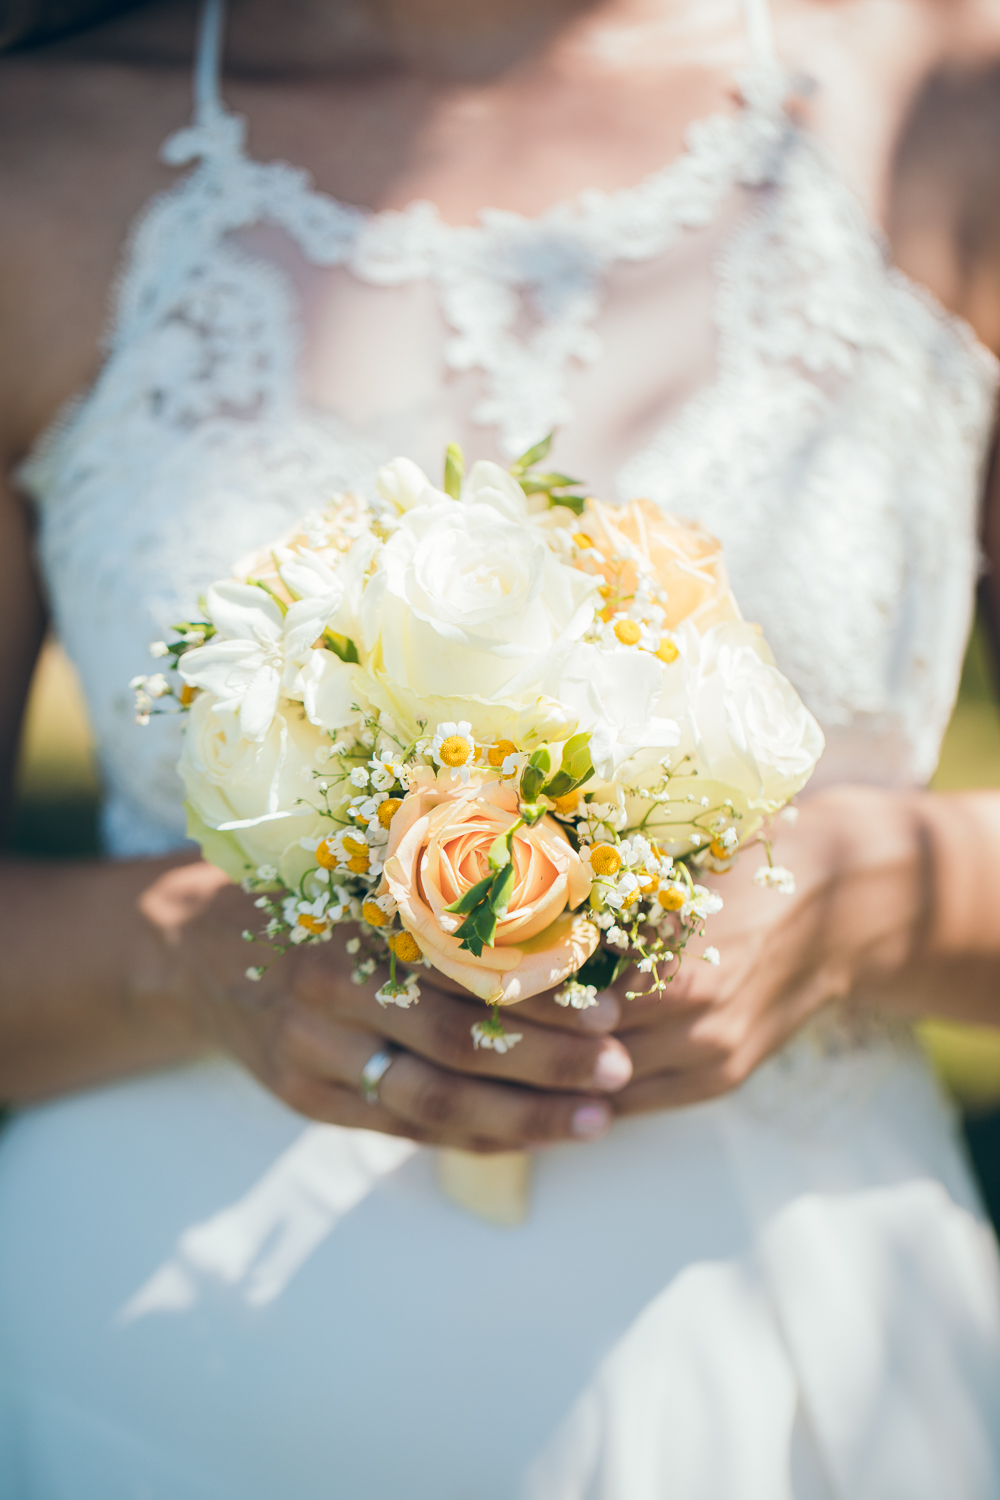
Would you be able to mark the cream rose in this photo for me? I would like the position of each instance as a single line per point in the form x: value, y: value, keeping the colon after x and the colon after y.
x: 468, y: 607
x: 439, y: 842
x: 746, y: 735
x: 230, y: 779
x: 613, y: 694
x: 746, y: 724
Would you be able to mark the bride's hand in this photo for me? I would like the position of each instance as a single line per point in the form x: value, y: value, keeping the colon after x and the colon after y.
x: 306, y: 1031
x: 855, y: 854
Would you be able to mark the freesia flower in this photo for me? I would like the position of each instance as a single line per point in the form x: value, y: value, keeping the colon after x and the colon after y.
x: 256, y: 650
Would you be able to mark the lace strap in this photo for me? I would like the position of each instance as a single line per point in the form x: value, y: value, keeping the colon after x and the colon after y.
x: 214, y: 134
x: 207, y: 62
x: 760, y: 33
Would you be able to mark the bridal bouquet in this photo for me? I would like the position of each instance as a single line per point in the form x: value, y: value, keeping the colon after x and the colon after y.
x: 498, y: 729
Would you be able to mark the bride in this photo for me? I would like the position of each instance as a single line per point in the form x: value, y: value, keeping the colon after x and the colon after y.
x: 754, y: 1264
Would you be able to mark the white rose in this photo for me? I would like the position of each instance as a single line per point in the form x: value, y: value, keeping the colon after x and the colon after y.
x: 231, y: 779
x: 746, y: 724
x: 614, y: 695
x: 467, y: 604
x: 746, y: 737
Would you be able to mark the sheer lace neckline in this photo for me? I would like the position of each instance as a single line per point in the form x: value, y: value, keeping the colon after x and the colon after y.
x: 219, y: 134
x: 555, y: 258
x: 763, y: 91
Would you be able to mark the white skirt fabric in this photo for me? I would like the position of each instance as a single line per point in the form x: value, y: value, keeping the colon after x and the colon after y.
x: 790, y: 1294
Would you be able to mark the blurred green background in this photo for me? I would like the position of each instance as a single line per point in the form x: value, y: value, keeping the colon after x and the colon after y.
x: 55, y: 816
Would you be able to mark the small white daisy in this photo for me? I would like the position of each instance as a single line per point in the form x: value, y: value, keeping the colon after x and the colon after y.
x: 454, y: 747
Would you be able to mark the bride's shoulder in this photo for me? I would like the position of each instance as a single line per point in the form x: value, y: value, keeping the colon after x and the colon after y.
x: 104, y: 94
x: 80, y: 127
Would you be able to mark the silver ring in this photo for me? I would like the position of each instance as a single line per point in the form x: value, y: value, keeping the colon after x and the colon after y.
x: 374, y: 1071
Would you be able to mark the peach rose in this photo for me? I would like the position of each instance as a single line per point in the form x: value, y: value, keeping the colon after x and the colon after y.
x: 439, y: 842
x: 685, y: 560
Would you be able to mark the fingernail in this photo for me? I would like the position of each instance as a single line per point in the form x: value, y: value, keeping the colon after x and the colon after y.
x: 603, y: 1015
x: 613, y: 1068
x: 590, y: 1121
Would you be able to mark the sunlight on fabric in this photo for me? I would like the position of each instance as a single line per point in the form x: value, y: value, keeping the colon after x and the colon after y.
x: 260, y: 1242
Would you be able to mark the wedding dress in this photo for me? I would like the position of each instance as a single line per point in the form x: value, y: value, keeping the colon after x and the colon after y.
x: 788, y: 1292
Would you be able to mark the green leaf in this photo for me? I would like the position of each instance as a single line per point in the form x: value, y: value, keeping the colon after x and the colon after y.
x: 554, y: 481
x: 532, y: 813
x: 342, y: 645
x: 500, y: 850
x: 259, y: 583
x: 532, y: 779
x: 454, y: 470
x: 534, y: 773
x: 562, y: 783
x: 576, y: 503
x: 602, y: 969
x: 532, y: 456
x: 472, y: 898
x: 500, y: 890
x: 478, y: 930
x: 574, y: 770
x: 184, y: 627
x: 576, y: 755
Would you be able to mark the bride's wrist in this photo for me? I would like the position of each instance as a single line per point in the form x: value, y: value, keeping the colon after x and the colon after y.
x: 875, y: 889
x: 960, y: 843
x: 916, y: 904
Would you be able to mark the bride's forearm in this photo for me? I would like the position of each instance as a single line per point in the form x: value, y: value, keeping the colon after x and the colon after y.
x: 87, y: 989
x: 941, y: 955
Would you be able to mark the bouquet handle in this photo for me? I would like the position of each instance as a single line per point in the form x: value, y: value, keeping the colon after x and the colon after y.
x: 496, y: 1188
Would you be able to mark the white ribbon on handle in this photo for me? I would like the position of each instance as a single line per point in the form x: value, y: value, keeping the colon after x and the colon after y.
x: 496, y: 1188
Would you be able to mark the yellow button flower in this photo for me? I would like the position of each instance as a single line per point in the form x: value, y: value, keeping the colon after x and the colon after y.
x: 671, y: 897
x: 405, y: 947
x: 605, y: 859
x: 387, y: 808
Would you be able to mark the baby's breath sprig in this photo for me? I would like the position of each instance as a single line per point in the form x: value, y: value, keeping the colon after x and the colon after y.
x: 155, y: 687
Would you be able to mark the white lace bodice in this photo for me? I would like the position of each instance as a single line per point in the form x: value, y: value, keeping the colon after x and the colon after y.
x: 830, y: 424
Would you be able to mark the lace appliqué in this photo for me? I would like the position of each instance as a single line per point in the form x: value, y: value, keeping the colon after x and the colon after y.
x: 492, y: 277
x: 874, y: 406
